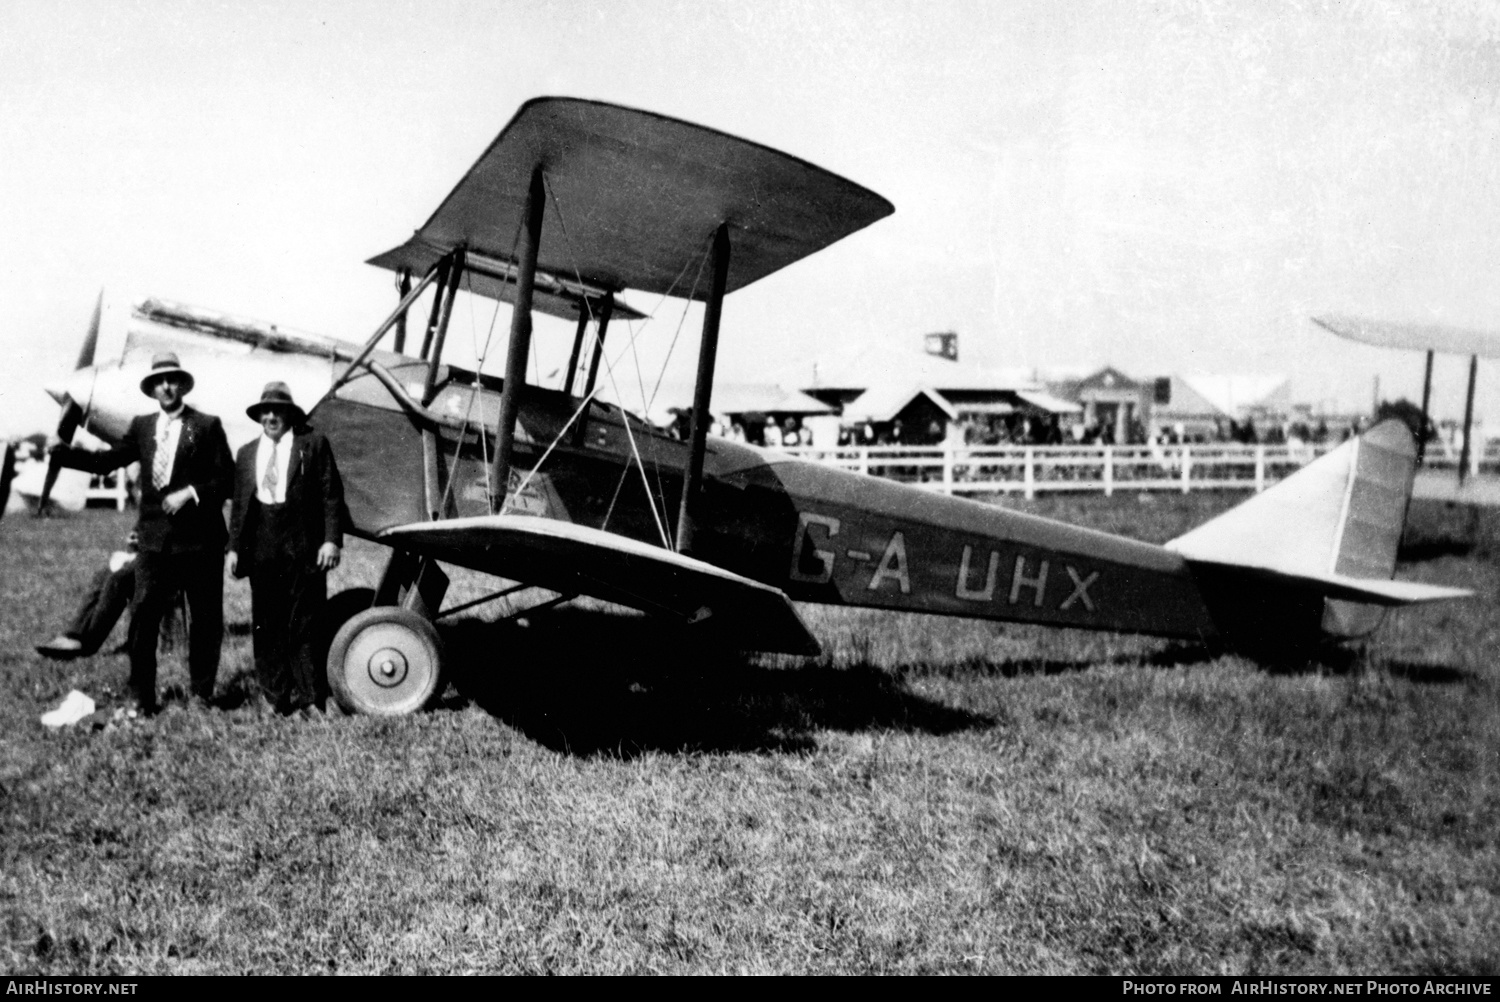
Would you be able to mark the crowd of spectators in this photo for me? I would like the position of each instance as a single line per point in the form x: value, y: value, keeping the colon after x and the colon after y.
x: 1021, y: 428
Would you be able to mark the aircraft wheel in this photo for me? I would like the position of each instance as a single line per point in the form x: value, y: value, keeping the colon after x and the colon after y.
x: 385, y: 662
x: 340, y: 609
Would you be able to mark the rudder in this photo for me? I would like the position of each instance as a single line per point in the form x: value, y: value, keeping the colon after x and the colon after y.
x: 1339, y: 517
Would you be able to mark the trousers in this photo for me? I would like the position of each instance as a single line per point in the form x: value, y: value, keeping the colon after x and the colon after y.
x: 199, y: 576
x: 107, y: 599
x: 287, y: 595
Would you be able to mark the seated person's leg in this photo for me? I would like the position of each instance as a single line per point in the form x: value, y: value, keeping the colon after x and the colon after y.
x: 101, y: 607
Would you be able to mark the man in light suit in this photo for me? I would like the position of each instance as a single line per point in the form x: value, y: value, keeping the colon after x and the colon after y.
x: 186, y: 476
x: 286, y: 532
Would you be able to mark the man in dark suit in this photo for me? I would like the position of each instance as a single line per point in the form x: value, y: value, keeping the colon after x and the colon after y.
x: 186, y: 476
x: 286, y: 531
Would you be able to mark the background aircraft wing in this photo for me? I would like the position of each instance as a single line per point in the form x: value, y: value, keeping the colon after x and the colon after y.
x: 1416, y: 337
x: 635, y: 197
x: 575, y: 559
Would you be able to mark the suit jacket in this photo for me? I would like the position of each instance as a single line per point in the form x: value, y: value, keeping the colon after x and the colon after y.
x: 314, y: 498
x: 202, y: 462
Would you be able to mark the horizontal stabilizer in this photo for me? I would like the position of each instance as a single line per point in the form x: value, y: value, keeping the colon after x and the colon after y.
x: 1370, y: 591
x: 577, y: 560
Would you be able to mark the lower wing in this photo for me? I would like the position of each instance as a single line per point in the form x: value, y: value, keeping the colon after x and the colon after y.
x: 574, y: 559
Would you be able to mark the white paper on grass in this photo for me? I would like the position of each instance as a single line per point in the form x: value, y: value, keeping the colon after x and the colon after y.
x: 74, y: 707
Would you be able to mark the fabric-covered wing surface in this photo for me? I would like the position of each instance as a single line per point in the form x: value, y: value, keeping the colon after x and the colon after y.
x: 552, y: 295
x: 635, y: 197
x: 575, y: 559
x: 1415, y: 337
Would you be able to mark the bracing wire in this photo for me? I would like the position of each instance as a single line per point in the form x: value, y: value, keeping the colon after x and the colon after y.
x: 651, y: 496
x: 476, y: 389
x: 474, y: 393
x: 681, y: 321
x: 659, y: 494
x: 609, y: 367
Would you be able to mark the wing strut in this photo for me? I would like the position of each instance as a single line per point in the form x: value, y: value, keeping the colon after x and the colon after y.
x: 1463, y: 456
x: 1426, y: 399
x: 390, y: 321
x: 703, y: 390
x: 437, y: 335
x: 572, y: 369
x: 606, y: 310
x: 520, y: 342
x: 430, y: 331
x: 403, y: 286
x: 432, y: 458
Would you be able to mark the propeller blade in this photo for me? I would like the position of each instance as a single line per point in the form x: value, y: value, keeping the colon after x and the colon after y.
x: 67, y: 424
x: 68, y: 421
x: 7, y: 474
x: 91, y: 339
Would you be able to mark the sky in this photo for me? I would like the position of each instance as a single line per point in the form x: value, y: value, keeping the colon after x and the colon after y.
x: 1166, y: 187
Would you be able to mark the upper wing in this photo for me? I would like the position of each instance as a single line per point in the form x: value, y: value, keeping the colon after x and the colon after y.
x: 1417, y: 337
x: 575, y: 559
x: 635, y: 197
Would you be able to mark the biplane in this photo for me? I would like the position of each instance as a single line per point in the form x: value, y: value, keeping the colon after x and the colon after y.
x: 1462, y: 484
x: 551, y: 488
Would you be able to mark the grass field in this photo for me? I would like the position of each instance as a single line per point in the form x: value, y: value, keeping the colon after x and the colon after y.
x: 931, y: 795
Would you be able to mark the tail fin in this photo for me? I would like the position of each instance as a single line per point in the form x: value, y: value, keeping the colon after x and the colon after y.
x: 1329, y: 532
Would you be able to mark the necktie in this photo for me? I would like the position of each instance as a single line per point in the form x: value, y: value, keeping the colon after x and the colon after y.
x: 269, y: 481
x: 162, y: 460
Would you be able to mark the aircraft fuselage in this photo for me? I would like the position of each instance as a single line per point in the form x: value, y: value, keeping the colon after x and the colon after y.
x: 819, y: 534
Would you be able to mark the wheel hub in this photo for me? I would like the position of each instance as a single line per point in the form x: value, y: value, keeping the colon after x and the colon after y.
x: 388, y: 667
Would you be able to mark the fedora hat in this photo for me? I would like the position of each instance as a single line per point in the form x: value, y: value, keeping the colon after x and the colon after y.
x: 277, y: 395
x: 165, y: 364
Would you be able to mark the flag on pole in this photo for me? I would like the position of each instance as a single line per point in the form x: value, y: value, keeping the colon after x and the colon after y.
x: 943, y: 344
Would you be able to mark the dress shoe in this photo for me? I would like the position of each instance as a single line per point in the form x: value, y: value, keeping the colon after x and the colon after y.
x: 61, y: 647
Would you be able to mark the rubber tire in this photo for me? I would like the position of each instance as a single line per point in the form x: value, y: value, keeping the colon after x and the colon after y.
x: 413, y: 652
x: 339, y: 610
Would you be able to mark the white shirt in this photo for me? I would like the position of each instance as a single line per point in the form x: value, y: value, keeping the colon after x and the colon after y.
x: 283, y: 467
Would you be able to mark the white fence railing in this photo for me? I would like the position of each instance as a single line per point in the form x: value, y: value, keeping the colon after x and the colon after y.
x: 108, y: 489
x: 1035, y: 469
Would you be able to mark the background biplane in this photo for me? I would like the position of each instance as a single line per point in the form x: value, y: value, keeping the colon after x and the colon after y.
x: 577, y: 201
x: 1463, y: 484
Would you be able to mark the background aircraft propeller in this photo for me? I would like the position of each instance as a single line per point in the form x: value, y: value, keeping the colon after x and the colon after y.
x: 72, y: 413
